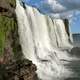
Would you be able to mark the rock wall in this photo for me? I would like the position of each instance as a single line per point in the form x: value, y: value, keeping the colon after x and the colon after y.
x: 12, y: 64
x: 7, y: 25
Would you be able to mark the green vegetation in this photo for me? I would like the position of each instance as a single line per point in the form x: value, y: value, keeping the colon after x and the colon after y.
x: 6, y: 26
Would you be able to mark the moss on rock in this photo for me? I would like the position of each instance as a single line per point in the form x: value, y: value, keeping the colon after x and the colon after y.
x: 7, y: 24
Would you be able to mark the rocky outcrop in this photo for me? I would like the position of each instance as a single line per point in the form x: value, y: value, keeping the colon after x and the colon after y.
x: 12, y: 64
x: 18, y: 70
x: 7, y: 8
x: 75, y: 52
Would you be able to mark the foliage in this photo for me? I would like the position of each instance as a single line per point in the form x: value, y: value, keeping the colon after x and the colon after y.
x: 6, y: 25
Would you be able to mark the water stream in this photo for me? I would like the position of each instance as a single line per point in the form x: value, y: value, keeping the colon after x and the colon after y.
x: 44, y: 41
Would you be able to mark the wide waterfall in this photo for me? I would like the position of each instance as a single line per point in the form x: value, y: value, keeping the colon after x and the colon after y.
x: 44, y: 41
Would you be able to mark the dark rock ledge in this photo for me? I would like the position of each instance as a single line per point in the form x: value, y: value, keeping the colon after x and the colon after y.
x: 18, y: 70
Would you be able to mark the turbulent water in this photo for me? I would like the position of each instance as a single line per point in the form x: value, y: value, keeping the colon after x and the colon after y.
x: 44, y: 41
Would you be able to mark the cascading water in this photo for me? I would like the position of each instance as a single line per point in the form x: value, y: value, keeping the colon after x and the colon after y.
x: 42, y: 40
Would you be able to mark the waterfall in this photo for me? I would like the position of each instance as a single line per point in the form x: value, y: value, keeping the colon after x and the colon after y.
x: 42, y: 40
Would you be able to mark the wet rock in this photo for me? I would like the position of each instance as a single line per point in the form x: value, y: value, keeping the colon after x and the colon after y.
x: 75, y: 52
x: 6, y: 8
x: 18, y: 70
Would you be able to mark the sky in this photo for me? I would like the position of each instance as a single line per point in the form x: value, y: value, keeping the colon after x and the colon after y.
x: 59, y: 9
x: 75, y: 25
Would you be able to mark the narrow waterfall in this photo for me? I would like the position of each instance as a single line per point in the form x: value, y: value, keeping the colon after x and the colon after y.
x: 42, y: 40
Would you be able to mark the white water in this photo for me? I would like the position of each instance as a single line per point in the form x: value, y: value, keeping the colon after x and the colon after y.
x: 42, y: 40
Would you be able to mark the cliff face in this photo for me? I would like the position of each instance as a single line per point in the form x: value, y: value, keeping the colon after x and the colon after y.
x: 7, y: 8
x: 11, y: 59
x: 7, y: 25
x: 9, y: 39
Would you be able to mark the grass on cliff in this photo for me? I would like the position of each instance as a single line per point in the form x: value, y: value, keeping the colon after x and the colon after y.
x: 6, y: 25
